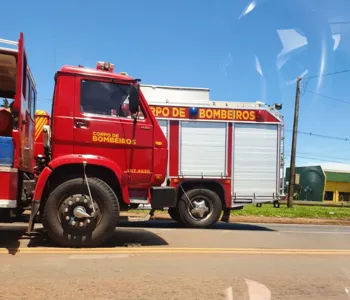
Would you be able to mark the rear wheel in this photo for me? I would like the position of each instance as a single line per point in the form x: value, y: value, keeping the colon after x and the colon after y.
x: 199, y: 208
x: 72, y: 220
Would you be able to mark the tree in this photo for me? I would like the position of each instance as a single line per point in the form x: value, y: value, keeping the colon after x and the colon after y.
x: 5, y: 103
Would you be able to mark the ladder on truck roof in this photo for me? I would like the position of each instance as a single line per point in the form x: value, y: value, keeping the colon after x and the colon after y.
x: 9, y: 43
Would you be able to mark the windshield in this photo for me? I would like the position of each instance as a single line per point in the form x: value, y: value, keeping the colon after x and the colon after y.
x: 104, y: 98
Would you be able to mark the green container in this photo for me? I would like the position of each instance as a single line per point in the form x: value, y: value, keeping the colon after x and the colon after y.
x: 311, y: 185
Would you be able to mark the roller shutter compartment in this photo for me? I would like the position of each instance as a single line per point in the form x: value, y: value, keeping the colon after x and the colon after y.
x: 255, y: 160
x: 203, y: 149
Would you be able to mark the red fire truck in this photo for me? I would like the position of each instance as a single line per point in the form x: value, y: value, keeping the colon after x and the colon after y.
x: 104, y: 151
x: 234, y: 149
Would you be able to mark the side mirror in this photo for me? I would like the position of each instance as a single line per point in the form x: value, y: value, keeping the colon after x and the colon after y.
x: 134, y: 100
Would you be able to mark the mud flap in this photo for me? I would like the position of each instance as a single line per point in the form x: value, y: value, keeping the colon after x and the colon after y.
x: 226, y: 215
x: 33, y: 213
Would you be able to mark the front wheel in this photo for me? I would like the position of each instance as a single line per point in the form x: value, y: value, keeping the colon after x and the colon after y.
x: 199, y: 208
x: 71, y: 219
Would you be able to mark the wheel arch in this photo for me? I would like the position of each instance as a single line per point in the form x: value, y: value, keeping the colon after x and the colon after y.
x: 76, y: 170
x: 209, y: 184
x: 72, y: 166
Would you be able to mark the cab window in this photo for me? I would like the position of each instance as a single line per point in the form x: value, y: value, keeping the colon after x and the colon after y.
x: 105, y: 98
x: 27, y: 96
x: 33, y: 103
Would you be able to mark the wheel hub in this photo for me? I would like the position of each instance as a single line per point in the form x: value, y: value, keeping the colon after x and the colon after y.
x: 80, y: 212
x: 77, y: 211
x: 199, y: 208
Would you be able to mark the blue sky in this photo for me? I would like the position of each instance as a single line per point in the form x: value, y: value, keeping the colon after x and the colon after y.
x: 241, y: 50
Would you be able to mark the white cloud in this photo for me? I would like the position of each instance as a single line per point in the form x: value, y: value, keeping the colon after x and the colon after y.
x: 258, y: 66
x: 290, y: 40
x: 249, y: 8
x: 336, y: 38
x: 339, y: 167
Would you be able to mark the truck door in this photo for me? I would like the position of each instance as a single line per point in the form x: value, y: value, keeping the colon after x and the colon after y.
x: 103, y: 126
x: 24, y: 108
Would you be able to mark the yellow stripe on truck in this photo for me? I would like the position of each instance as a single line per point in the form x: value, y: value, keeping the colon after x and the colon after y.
x: 41, y: 119
x: 38, y: 128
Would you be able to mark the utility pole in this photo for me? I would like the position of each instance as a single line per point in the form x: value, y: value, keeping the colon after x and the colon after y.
x: 294, y: 147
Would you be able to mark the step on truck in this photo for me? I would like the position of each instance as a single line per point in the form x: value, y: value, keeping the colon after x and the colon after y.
x: 105, y: 150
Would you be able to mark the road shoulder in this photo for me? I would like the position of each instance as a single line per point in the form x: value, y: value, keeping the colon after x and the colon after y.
x: 259, y: 219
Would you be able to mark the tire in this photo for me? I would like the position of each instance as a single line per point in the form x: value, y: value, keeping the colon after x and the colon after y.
x: 212, y: 201
x: 95, y: 230
x: 174, y: 214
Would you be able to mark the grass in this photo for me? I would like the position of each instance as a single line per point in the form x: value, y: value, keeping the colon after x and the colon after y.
x: 267, y: 210
x: 312, y: 212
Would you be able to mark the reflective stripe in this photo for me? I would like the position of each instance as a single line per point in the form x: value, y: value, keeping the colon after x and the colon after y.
x: 4, y: 203
x: 8, y: 169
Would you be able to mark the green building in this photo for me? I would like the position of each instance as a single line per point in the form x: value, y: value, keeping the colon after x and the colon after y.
x: 318, y: 184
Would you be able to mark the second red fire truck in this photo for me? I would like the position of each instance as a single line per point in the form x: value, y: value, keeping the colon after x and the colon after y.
x: 234, y: 149
x: 107, y: 149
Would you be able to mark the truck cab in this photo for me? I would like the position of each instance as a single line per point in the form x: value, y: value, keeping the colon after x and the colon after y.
x: 91, y: 115
x: 104, y: 152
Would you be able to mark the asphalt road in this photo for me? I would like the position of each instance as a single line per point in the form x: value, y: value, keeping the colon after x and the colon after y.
x: 157, y: 260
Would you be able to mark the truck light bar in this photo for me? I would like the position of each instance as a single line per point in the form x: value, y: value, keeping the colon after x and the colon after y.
x: 260, y: 116
x: 105, y: 66
x: 193, y: 111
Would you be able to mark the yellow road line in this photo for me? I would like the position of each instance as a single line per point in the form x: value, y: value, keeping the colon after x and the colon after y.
x: 164, y: 250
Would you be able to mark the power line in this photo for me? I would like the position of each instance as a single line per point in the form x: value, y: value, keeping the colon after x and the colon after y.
x: 321, y: 135
x: 328, y: 74
x: 327, y: 97
x: 320, y: 159
x: 324, y: 156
